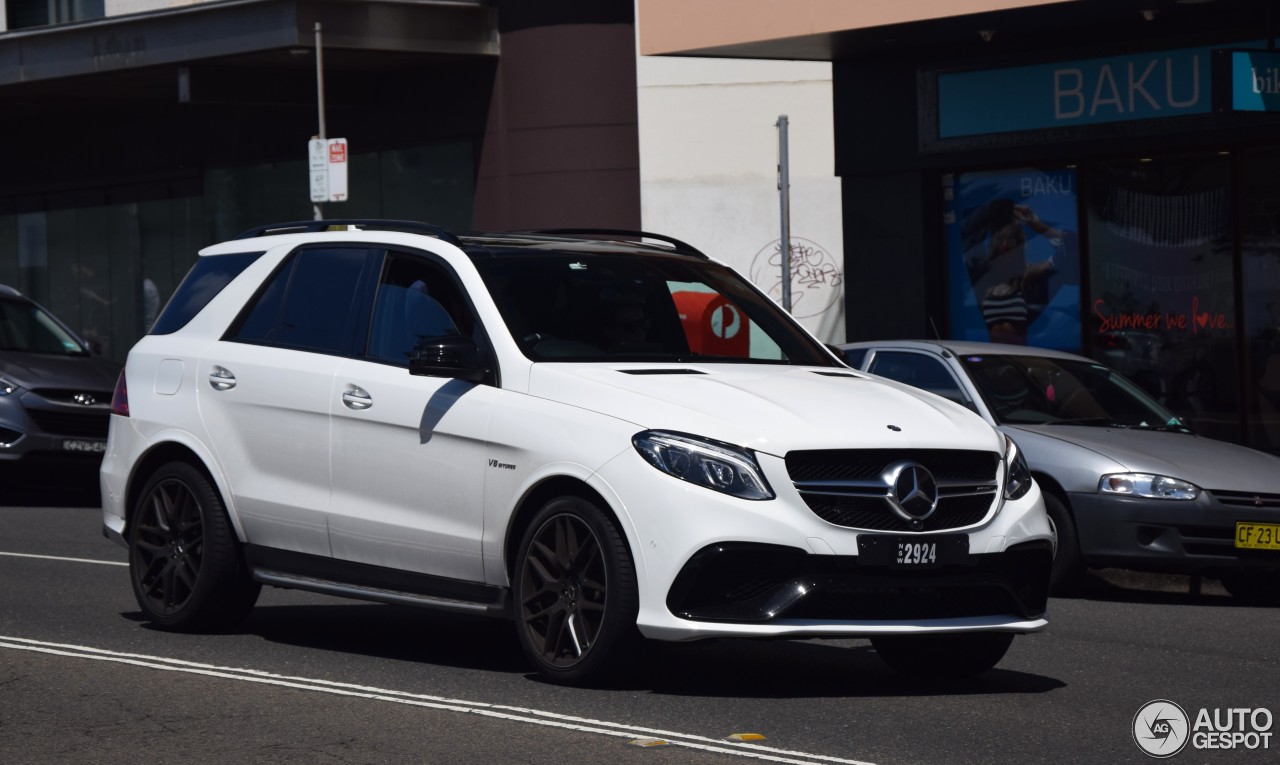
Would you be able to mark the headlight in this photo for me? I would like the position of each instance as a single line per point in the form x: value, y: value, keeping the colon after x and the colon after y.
x: 1017, y: 474
x: 7, y: 386
x: 717, y: 466
x: 1146, y: 485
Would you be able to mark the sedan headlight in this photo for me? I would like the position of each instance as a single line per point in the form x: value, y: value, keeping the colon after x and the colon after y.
x: 7, y: 386
x: 1147, y: 485
x: 1017, y: 474
x: 712, y: 464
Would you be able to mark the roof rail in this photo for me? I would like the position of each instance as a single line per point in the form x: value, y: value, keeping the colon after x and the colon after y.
x: 683, y: 248
x: 7, y: 290
x: 367, y: 224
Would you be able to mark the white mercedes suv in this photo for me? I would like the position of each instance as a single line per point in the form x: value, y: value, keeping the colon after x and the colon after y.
x: 601, y: 436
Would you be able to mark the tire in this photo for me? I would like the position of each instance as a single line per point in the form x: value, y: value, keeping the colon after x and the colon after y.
x: 185, y: 563
x: 575, y: 594
x: 943, y: 657
x: 1256, y: 588
x: 1067, y: 575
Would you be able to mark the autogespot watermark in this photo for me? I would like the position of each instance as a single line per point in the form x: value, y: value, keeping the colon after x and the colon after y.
x: 1161, y: 728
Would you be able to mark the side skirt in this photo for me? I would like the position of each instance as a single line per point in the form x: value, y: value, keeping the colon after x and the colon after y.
x: 315, y: 573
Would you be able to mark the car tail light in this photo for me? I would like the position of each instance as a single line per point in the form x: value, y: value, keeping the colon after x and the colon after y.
x: 120, y: 399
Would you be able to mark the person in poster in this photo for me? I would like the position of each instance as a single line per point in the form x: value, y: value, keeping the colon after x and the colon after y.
x: 1015, y: 258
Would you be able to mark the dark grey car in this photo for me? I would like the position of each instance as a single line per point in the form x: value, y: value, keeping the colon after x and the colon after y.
x: 55, y: 393
x: 1126, y: 483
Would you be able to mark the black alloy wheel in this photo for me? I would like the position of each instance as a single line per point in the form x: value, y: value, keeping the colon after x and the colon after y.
x: 575, y: 593
x: 184, y: 560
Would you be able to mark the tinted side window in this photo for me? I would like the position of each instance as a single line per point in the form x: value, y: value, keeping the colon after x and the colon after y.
x: 201, y: 284
x: 416, y: 299
x: 918, y: 370
x: 308, y: 303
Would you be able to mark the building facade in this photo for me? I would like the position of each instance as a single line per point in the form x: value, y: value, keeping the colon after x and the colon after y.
x: 139, y: 132
x: 1103, y: 170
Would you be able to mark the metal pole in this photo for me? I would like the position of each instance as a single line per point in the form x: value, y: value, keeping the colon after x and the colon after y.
x: 320, y: 99
x: 784, y: 198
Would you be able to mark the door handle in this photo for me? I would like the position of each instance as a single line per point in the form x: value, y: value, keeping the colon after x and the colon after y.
x: 222, y: 379
x: 356, y: 398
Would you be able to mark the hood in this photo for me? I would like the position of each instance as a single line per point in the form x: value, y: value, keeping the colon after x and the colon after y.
x: 773, y: 409
x: 1205, y: 462
x: 34, y: 371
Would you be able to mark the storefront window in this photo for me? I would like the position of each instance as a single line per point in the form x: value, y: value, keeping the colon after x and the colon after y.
x: 1161, y: 303
x: 1014, y: 257
x: 1260, y: 245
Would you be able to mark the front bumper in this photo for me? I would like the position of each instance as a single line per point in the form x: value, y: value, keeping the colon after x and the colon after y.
x: 710, y: 565
x: 33, y: 426
x: 1196, y: 536
x: 768, y: 584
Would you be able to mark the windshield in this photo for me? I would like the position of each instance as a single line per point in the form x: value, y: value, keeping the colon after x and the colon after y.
x: 586, y: 306
x: 1035, y: 390
x: 26, y: 327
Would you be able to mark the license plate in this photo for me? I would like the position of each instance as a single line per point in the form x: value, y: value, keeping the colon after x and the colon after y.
x: 1258, y: 536
x: 914, y: 552
x: 94, y: 447
x: 917, y: 554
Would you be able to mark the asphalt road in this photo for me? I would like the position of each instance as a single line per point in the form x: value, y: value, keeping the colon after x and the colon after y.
x: 313, y: 679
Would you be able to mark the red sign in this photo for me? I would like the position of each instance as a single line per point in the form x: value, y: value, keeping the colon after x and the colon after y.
x: 337, y: 152
x: 712, y: 324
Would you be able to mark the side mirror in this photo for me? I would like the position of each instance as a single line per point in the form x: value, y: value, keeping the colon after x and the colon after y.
x: 839, y: 353
x: 447, y: 356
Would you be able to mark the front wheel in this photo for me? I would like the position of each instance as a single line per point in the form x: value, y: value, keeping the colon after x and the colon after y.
x: 1067, y: 574
x: 184, y: 559
x: 943, y: 657
x: 575, y: 593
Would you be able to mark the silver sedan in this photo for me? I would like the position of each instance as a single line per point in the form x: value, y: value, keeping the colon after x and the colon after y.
x: 1125, y: 481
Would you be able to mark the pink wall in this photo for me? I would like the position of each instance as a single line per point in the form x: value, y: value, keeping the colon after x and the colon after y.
x: 671, y: 26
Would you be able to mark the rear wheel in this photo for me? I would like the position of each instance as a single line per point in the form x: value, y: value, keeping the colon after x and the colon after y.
x: 1067, y: 573
x: 184, y: 559
x: 943, y: 657
x: 575, y: 593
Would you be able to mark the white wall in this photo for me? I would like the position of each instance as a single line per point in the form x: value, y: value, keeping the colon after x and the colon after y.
x: 708, y: 170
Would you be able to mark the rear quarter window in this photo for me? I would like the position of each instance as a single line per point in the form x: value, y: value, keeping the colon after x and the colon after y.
x: 202, y: 283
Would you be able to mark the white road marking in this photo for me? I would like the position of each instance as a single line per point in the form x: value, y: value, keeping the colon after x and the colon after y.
x: 58, y: 557
x: 499, y: 711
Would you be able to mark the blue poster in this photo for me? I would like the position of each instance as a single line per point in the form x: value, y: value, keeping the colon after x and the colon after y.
x: 1013, y: 257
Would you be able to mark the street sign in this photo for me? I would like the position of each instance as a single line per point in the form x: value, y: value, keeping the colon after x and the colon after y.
x: 328, y: 169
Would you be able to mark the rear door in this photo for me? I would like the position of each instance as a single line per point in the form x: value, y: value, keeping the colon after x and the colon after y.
x: 266, y: 389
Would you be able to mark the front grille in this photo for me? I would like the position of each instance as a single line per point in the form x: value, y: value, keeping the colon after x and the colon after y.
x: 751, y: 583
x: 843, y: 487
x: 87, y: 424
x: 1247, y: 500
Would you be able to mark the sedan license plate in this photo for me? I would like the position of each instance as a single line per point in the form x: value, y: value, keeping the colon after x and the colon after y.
x: 74, y: 445
x: 1258, y: 536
